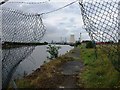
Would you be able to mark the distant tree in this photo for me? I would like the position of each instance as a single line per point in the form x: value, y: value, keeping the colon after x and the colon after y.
x: 77, y: 43
x: 90, y: 44
x: 46, y: 43
x: 111, y: 42
x: 53, y: 51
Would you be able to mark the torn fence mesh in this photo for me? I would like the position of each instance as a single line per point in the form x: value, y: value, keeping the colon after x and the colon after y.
x: 101, y: 20
x: 21, y: 27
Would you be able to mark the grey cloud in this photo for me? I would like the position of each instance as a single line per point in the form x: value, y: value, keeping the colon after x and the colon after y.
x: 34, y: 8
x: 63, y: 27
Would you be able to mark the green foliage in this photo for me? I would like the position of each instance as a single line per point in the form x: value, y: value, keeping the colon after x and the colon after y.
x: 77, y: 43
x: 90, y: 44
x: 53, y: 51
x: 45, y: 43
x: 98, y: 73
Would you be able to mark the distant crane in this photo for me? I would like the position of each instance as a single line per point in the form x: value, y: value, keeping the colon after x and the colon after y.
x: 80, y: 38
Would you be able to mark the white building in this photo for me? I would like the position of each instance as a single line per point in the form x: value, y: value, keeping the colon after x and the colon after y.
x: 72, y: 38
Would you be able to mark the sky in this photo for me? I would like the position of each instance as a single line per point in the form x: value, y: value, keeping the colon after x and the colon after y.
x: 60, y: 24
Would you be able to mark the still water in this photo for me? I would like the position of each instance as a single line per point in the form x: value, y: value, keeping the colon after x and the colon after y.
x: 36, y: 59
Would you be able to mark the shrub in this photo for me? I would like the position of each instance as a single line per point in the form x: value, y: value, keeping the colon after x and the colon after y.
x: 90, y: 44
x: 77, y: 43
x: 53, y: 51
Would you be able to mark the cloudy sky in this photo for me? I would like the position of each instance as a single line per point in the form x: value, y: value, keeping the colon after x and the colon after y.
x: 59, y: 24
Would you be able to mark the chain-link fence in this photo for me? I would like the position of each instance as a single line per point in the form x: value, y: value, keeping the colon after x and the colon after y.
x: 11, y: 59
x: 101, y: 20
x: 18, y: 27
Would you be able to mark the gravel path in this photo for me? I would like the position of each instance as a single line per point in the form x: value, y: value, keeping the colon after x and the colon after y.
x: 71, y: 68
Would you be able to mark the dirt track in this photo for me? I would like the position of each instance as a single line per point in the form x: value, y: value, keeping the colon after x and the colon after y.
x: 70, y: 70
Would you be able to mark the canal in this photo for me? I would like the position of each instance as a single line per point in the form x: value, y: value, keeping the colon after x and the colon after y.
x: 36, y: 59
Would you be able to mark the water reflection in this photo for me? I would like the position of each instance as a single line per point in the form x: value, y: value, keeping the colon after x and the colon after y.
x: 36, y: 59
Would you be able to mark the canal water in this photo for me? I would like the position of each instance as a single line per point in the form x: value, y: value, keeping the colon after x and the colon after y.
x: 36, y: 59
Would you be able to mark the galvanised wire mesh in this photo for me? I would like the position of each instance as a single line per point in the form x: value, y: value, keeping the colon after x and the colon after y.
x: 11, y: 59
x: 18, y: 27
x: 102, y: 21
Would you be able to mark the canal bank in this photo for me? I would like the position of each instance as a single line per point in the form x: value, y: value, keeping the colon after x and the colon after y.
x: 76, y: 69
x: 61, y: 72
x: 36, y: 59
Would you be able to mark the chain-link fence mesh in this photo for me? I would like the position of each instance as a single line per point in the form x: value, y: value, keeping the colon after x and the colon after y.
x: 101, y: 20
x: 18, y: 27
x: 11, y: 59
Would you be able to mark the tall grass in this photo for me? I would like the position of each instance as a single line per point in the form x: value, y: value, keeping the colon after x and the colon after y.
x: 98, y: 73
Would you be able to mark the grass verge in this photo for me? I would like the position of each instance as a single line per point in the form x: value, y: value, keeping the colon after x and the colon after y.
x: 97, y: 73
